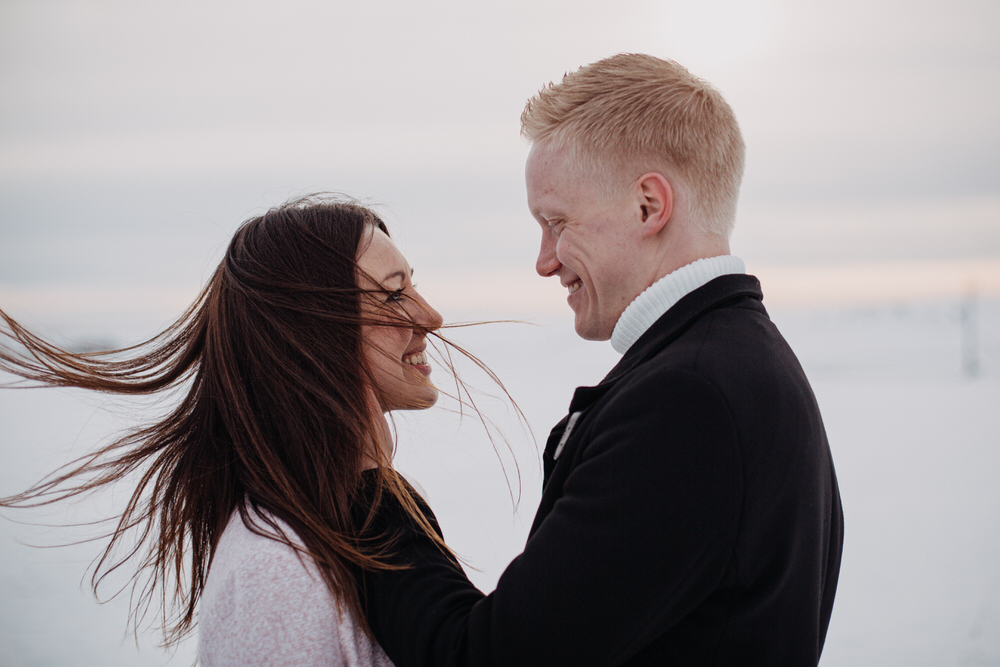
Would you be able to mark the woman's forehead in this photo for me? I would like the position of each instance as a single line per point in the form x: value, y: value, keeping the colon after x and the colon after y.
x: 380, y: 258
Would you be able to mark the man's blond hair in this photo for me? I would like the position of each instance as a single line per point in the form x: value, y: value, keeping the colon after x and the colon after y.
x: 631, y: 113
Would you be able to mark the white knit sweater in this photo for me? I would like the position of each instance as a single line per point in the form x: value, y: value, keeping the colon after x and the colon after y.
x: 660, y: 297
x: 263, y: 605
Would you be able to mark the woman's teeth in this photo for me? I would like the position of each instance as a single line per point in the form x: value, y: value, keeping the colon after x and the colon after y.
x: 416, y: 359
x: 572, y: 287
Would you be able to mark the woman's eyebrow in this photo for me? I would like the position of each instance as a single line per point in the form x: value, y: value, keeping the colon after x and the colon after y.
x: 397, y: 274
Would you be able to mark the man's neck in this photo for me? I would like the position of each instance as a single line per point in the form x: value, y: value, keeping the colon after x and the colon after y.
x: 659, y: 297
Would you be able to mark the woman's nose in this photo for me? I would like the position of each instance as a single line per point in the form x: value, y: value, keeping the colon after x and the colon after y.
x: 425, y: 316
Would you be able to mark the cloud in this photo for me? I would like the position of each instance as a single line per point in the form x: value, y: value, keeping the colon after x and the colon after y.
x: 870, y: 126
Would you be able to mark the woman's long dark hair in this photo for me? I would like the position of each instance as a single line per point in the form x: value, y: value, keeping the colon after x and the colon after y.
x: 274, y: 414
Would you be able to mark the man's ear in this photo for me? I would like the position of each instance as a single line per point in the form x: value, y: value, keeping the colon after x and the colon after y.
x: 656, y: 202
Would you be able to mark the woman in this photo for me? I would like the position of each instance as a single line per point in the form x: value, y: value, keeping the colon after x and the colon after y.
x: 309, y: 331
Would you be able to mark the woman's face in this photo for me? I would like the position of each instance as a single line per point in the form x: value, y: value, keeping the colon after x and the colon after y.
x: 395, y: 354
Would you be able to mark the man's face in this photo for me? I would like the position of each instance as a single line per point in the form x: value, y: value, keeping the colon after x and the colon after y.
x: 586, y: 240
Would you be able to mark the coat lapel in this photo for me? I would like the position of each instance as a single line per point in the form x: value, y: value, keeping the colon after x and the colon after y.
x: 663, y: 332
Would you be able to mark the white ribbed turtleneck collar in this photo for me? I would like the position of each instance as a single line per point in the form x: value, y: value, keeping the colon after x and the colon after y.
x: 659, y: 297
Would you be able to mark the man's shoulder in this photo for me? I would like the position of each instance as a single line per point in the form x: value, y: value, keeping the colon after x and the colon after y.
x: 737, y: 329
x: 735, y: 299
x: 734, y: 349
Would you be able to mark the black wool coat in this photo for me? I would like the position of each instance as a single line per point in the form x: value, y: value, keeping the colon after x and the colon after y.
x: 690, y: 516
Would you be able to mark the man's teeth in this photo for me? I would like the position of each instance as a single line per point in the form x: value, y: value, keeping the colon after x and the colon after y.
x: 572, y: 287
x: 416, y: 359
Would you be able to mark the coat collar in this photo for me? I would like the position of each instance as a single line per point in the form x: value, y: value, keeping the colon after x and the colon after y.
x: 659, y: 297
x: 671, y: 325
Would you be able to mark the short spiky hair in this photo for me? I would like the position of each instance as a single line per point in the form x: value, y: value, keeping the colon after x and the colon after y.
x: 632, y: 113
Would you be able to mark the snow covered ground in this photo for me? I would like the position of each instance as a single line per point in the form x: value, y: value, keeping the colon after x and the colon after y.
x: 914, y: 437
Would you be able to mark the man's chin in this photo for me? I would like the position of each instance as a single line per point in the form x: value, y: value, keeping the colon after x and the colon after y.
x: 590, y: 331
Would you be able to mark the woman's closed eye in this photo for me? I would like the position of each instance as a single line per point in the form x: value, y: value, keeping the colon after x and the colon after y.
x: 398, y: 295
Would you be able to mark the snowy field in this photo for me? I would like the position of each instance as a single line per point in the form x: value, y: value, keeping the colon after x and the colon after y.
x: 913, y: 421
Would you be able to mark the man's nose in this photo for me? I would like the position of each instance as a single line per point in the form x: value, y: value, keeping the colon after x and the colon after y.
x: 547, y: 263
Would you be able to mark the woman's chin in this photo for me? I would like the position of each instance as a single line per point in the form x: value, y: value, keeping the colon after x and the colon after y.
x: 426, y: 398
x: 426, y: 401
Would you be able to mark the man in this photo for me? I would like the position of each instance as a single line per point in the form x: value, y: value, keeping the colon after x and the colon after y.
x: 690, y: 513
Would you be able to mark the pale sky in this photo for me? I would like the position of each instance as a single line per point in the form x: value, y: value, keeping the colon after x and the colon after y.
x: 135, y: 136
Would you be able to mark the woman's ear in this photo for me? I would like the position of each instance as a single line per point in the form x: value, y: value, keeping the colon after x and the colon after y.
x: 656, y: 202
